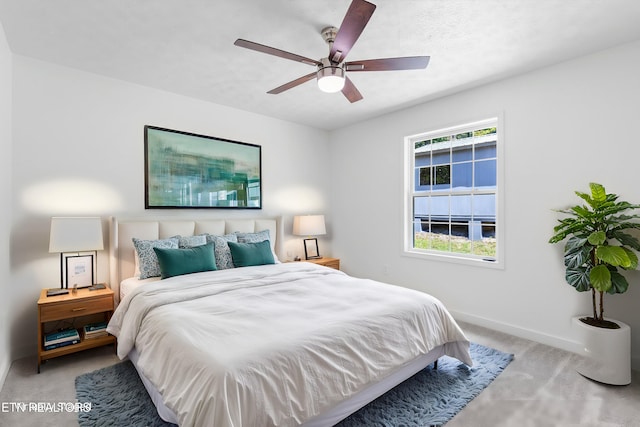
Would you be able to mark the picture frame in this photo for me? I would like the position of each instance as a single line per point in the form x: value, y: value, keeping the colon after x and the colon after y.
x: 188, y: 170
x: 311, y: 250
x: 79, y: 271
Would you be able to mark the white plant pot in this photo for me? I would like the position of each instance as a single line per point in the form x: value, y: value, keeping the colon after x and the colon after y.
x: 606, y: 353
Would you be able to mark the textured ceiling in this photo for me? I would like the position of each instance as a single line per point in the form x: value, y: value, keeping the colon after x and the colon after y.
x: 187, y: 47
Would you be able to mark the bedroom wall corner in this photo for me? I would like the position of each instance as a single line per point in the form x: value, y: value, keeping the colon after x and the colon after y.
x: 6, y: 64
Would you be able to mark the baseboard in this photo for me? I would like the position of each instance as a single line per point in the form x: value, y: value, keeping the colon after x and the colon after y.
x: 529, y: 334
x: 518, y: 331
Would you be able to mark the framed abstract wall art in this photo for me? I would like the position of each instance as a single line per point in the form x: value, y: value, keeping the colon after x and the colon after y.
x: 186, y: 170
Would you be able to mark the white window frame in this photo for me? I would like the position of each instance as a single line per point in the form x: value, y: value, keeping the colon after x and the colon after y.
x: 409, y: 193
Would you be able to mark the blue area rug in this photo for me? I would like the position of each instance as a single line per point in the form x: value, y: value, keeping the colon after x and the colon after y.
x: 433, y: 396
x: 429, y: 398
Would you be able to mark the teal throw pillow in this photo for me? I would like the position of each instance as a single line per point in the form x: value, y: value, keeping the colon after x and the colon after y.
x: 248, y: 254
x: 175, y: 262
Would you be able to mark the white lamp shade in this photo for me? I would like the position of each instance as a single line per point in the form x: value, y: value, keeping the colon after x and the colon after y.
x: 76, y: 234
x: 309, y: 225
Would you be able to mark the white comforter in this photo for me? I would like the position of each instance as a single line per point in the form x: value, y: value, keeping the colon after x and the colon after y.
x: 275, y: 345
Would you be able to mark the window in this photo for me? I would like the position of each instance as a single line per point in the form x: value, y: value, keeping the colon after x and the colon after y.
x: 452, y: 192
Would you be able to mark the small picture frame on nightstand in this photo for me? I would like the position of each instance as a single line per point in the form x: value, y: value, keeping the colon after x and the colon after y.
x: 311, y: 249
x: 79, y: 271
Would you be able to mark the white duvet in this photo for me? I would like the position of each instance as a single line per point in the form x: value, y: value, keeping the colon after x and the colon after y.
x: 275, y: 345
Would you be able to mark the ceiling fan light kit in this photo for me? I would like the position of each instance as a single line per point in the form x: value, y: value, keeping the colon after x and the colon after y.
x: 331, y: 70
x: 330, y: 77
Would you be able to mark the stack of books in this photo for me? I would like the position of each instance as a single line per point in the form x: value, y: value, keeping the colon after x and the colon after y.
x: 95, y: 330
x: 61, y: 338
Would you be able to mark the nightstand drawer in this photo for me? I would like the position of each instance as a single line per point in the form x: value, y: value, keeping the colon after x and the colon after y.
x: 327, y: 262
x: 334, y: 263
x: 65, y: 310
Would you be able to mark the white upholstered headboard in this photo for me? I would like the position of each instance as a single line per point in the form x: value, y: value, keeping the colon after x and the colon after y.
x: 121, y: 231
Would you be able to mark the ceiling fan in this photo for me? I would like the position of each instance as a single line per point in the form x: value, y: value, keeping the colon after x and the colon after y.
x: 331, y: 71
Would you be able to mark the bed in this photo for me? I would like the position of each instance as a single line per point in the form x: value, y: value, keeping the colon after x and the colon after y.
x: 274, y: 344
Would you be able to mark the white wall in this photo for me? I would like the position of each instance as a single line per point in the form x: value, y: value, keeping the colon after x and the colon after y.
x: 78, y: 150
x: 564, y: 126
x: 5, y: 207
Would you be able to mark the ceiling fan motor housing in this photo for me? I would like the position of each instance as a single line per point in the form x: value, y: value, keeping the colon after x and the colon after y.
x: 329, y: 34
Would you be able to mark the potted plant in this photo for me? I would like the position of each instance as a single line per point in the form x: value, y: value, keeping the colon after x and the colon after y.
x: 597, y: 252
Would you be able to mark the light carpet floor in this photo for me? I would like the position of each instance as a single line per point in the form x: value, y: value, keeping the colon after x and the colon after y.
x: 539, y: 388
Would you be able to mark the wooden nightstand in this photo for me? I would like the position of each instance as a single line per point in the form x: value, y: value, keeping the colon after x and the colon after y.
x: 327, y: 262
x: 77, y: 309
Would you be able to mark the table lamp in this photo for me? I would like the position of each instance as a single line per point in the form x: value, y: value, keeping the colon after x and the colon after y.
x: 309, y: 225
x: 76, y: 235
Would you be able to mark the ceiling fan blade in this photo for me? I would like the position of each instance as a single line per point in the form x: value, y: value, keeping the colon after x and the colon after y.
x: 350, y: 91
x: 352, y: 26
x: 275, y: 52
x: 293, y: 83
x: 389, y: 64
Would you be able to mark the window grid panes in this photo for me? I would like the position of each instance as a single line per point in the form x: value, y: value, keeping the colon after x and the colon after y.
x: 453, y: 192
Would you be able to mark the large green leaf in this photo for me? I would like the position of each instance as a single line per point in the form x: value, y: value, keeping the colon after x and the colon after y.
x: 584, y: 196
x: 600, y: 278
x: 597, y: 238
x: 575, y: 243
x: 582, y: 212
x: 608, y: 209
x: 598, y: 193
x: 577, y: 252
x: 619, y: 284
x: 612, y: 198
x: 633, y: 258
x: 619, y: 219
x: 578, y: 278
x: 613, y: 255
x: 620, y: 223
x: 567, y: 227
x: 626, y: 239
